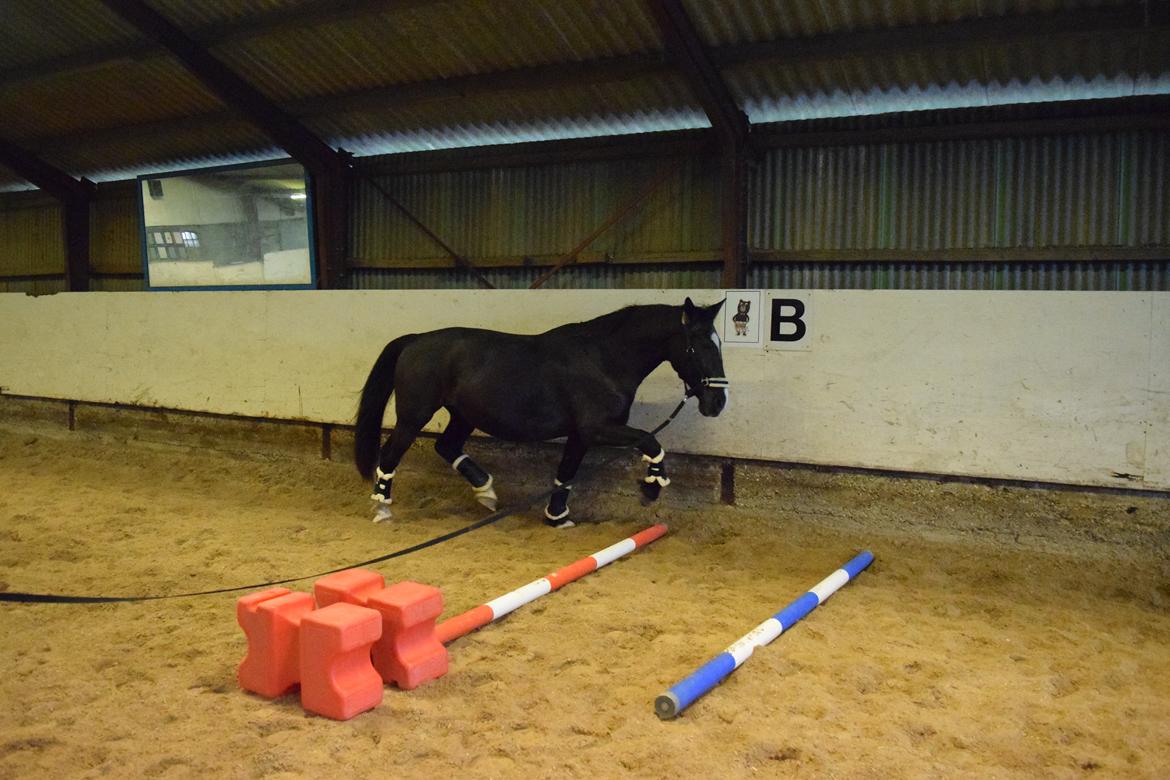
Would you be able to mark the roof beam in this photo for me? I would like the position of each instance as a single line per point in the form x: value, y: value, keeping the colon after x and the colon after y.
x: 774, y: 135
x: 682, y: 40
x: 640, y: 146
x: 36, y: 171
x: 312, y: 14
x: 234, y: 91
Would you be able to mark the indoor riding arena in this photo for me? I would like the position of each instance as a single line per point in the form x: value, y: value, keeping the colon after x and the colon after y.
x: 584, y: 388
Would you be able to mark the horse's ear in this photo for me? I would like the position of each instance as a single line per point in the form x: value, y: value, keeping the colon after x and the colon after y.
x: 689, y: 311
x: 714, y: 310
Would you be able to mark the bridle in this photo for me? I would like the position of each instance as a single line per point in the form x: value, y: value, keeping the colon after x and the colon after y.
x: 713, y: 382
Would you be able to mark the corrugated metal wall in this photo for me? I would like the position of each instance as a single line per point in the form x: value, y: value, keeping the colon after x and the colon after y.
x: 928, y: 275
x: 937, y: 202
x: 608, y: 276
x: 1050, y: 191
x: 1042, y: 193
x: 1026, y: 275
x: 510, y: 216
x: 32, y: 241
x: 114, y: 231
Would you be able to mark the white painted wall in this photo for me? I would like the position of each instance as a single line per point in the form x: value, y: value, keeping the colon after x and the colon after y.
x: 1064, y: 387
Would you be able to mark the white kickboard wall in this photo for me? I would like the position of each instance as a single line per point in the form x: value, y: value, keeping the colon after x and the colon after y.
x: 1063, y: 387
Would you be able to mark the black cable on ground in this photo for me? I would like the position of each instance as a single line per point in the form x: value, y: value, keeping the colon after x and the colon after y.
x: 56, y: 598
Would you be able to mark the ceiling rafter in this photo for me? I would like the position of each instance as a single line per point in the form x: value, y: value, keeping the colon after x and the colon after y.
x: 690, y: 55
x: 43, y: 175
x: 228, y: 86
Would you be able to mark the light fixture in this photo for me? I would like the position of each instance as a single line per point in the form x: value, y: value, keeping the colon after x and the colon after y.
x: 298, y: 196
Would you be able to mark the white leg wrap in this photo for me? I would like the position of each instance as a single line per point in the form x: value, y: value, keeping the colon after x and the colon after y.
x: 378, y: 495
x: 561, y: 516
x: 486, y: 495
x: 657, y: 458
x: 455, y: 463
x: 662, y: 481
x: 564, y: 521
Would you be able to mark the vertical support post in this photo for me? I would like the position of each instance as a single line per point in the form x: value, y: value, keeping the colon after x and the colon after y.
x: 682, y: 41
x: 331, y: 199
x: 75, y: 222
x: 733, y: 190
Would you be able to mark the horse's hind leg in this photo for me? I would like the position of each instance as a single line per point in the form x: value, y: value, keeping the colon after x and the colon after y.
x: 410, y: 423
x: 450, y: 448
x: 556, y: 513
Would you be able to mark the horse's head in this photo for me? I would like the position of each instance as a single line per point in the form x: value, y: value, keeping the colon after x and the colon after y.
x: 697, y: 357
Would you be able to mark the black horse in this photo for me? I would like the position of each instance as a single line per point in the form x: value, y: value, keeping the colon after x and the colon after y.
x: 576, y: 381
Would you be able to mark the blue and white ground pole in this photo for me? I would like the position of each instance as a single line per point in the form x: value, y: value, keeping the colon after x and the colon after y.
x: 683, y: 694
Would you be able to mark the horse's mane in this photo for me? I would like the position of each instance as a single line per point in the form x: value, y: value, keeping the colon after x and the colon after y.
x: 611, y: 323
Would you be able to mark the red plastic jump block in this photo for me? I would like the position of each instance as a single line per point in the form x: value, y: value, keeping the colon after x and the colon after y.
x: 271, y: 620
x: 352, y: 586
x: 409, y: 654
x: 337, y: 678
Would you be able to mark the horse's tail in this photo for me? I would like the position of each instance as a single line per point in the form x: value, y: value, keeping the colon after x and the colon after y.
x: 375, y: 395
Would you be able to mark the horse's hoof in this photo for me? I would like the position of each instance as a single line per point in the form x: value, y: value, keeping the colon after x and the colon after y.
x: 558, y: 524
x: 487, y: 497
x: 650, y: 492
x: 382, y: 513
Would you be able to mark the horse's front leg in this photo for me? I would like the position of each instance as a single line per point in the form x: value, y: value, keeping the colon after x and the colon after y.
x: 617, y: 435
x: 556, y: 513
x: 450, y: 448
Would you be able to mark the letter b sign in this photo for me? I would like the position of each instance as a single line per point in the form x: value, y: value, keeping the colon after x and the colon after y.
x: 787, y: 320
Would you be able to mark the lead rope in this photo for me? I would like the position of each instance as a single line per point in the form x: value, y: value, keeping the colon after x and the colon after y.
x: 54, y: 598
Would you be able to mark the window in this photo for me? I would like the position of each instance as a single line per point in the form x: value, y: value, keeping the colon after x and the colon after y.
x: 172, y: 244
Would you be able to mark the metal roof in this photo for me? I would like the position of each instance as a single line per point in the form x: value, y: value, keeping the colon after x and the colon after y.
x: 742, y: 21
x: 83, y: 90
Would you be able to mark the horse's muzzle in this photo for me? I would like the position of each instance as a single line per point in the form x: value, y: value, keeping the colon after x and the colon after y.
x: 712, y: 401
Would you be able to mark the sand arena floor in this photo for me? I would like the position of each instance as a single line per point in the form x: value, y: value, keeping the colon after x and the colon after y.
x: 1000, y: 632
